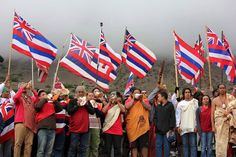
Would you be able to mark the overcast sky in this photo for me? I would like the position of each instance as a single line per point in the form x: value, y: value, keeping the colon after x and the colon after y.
x: 150, y: 21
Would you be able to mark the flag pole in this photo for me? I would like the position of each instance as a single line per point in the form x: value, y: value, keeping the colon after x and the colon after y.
x: 222, y: 72
x: 200, y: 81
x: 9, y: 63
x: 32, y: 72
x: 160, y: 77
x: 209, y: 66
x: 10, y: 54
x: 58, y: 63
x: 101, y: 25
x: 176, y: 70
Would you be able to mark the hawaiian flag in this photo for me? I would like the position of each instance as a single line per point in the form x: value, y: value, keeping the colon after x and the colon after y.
x: 32, y: 43
x: 231, y: 78
x: 58, y: 84
x: 108, y: 57
x: 129, y: 85
x: 138, y: 58
x: 219, y: 55
x: 7, y: 114
x: 42, y: 72
x: 82, y: 60
x: 199, y: 47
x: 188, y: 59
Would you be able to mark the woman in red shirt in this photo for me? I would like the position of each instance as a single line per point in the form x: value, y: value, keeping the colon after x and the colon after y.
x: 112, y: 127
x: 205, y: 127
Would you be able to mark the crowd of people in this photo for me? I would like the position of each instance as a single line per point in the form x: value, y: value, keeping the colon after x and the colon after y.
x: 92, y: 123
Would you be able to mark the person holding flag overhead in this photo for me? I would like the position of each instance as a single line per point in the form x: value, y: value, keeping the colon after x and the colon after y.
x: 25, y: 125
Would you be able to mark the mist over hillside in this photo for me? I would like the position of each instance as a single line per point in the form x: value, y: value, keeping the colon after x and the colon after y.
x: 21, y: 72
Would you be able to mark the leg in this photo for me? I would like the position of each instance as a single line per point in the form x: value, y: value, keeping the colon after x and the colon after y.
x: 209, y: 144
x: 159, y: 143
x: 143, y: 144
x: 20, y: 133
x: 108, y: 144
x: 74, y: 140
x: 28, y: 143
x: 7, y: 149
x: 59, y: 143
x: 125, y: 145
x: 134, y: 152
x: 193, y: 144
x: 166, y: 147
x: 94, y: 142
x: 50, y: 142
x: 42, y: 141
x: 178, y: 144
x: 185, y: 144
x: 203, y: 144
x: 117, y: 145
x: 1, y: 150
x: 83, y: 145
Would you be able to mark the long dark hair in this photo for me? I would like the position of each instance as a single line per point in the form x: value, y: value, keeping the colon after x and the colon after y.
x: 208, y: 98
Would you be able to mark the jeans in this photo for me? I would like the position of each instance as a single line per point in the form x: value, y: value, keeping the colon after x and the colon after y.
x: 46, y: 138
x: 94, y: 141
x: 58, y: 148
x: 81, y: 139
x: 162, y: 140
x: 206, y: 144
x: 6, y: 148
x: 189, y: 140
x: 115, y: 141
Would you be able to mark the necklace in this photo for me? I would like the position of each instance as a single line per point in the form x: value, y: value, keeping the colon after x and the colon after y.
x: 223, y: 102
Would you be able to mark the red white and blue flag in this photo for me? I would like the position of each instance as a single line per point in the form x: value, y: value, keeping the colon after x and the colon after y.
x: 129, y: 85
x: 231, y: 77
x: 82, y: 60
x: 108, y: 55
x: 42, y: 72
x: 199, y: 47
x: 7, y: 115
x: 219, y: 55
x: 188, y: 59
x: 138, y: 58
x: 32, y: 43
x: 108, y: 58
x: 58, y: 84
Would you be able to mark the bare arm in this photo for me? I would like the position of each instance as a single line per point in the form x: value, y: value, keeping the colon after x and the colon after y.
x: 146, y: 105
x: 213, y: 107
x: 105, y: 108
x: 121, y: 106
x: 129, y: 104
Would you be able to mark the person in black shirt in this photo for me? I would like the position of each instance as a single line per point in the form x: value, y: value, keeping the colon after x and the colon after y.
x: 164, y: 119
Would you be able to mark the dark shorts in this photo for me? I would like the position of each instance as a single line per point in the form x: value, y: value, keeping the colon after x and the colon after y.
x: 140, y: 142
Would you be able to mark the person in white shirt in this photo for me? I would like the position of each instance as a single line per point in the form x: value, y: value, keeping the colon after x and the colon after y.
x: 186, y: 123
